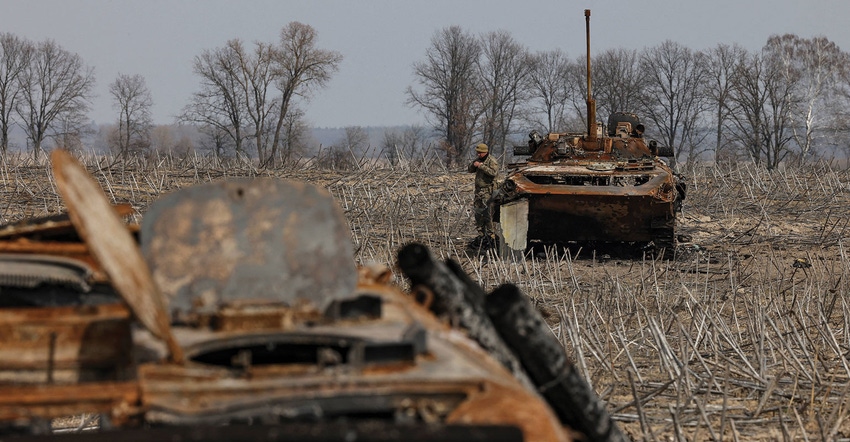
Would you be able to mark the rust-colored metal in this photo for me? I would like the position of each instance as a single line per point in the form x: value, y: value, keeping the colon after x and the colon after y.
x: 572, y: 201
x: 452, y: 380
x: 113, y: 246
x: 76, y: 251
x: 496, y: 404
x: 64, y: 344
x: 116, y: 400
x: 262, y: 316
x: 591, y: 103
x: 587, y: 187
x: 55, y: 235
x: 356, y: 346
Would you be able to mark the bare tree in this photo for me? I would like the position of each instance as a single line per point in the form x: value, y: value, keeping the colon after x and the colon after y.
x: 575, y: 119
x: 173, y: 140
x: 216, y: 140
x: 183, y: 147
x: 346, y: 153
x: 403, y: 146
x: 762, y: 102
x: 551, y: 87
x: 295, y: 135
x: 840, y: 103
x: 300, y: 68
x: 779, y: 98
x: 414, y: 141
x: 355, y: 140
x: 162, y: 139
x: 55, y: 86
x: 505, y: 70
x: 450, y: 88
x: 390, y: 146
x: 69, y: 130
x: 617, y: 83
x: 721, y: 64
x: 15, y: 54
x: 814, y: 66
x: 247, y: 96
x: 133, y: 101
x: 674, y: 97
x: 220, y: 104
x: 256, y: 78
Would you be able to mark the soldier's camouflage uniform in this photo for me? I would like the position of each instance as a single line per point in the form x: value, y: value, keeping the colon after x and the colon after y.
x: 485, y: 181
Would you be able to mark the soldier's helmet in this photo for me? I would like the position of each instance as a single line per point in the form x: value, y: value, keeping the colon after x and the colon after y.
x: 482, y: 148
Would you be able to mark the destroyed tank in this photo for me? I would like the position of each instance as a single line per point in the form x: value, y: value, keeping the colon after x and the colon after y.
x: 608, y: 184
x: 235, y: 311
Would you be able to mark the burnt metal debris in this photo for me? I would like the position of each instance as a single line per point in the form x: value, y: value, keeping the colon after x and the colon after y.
x: 235, y: 312
x: 595, y: 186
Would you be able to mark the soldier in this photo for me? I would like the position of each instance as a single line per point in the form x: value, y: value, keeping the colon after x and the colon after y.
x: 485, y: 169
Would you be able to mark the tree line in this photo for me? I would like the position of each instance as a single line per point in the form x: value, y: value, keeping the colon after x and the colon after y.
x: 247, y: 103
x: 790, y: 100
x: 44, y: 88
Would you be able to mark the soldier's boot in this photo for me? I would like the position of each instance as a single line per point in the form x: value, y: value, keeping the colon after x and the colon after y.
x: 481, y: 239
x: 489, y: 241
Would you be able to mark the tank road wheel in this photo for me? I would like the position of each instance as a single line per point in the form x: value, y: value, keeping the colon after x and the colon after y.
x: 664, y: 237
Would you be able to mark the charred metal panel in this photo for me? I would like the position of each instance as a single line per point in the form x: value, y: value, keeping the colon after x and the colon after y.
x: 363, y: 306
x: 399, y: 367
x: 249, y: 239
x: 592, y: 217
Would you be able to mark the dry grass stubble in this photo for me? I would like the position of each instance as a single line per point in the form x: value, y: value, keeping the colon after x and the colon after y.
x: 743, y: 336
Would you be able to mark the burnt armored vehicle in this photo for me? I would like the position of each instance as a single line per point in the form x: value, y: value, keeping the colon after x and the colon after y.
x: 607, y: 184
x: 235, y: 311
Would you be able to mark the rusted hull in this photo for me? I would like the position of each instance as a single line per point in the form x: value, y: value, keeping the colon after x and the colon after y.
x: 118, y: 400
x: 401, y: 365
x: 443, y: 377
x: 64, y: 344
x: 610, y: 213
x: 375, y: 431
x: 578, y: 217
x: 342, y: 345
x: 204, y: 396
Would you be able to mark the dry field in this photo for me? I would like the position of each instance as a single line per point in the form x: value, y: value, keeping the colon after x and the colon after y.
x: 742, y: 336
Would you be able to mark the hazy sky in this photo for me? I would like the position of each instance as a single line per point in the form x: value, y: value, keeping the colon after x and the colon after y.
x: 381, y: 39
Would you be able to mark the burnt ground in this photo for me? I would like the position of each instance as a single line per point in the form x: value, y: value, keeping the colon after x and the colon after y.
x: 742, y: 335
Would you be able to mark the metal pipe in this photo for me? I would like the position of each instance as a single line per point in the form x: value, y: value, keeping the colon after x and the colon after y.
x: 591, y: 104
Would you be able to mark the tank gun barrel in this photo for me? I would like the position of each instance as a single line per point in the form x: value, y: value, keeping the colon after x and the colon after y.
x: 591, y: 103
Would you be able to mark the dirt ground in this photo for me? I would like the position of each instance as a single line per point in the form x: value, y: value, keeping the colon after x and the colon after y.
x: 743, y: 335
